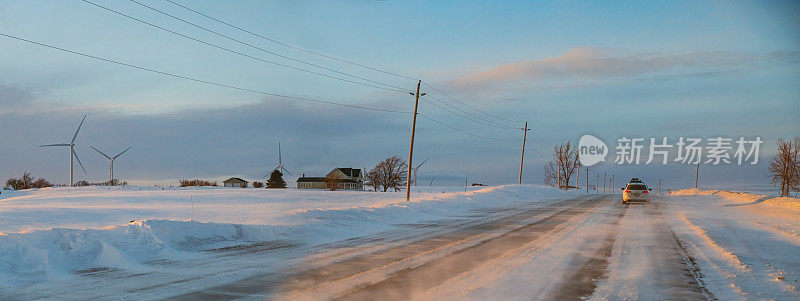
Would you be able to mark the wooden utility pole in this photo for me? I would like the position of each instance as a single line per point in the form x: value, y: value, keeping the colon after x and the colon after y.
x: 577, y: 177
x: 697, y: 174
x: 604, y: 182
x: 411, y: 147
x: 524, y: 138
x: 596, y: 184
x: 659, y: 185
x: 587, y: 179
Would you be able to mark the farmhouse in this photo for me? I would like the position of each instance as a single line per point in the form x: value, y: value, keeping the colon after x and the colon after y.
x: 348, y: 179
x: 235, y: 182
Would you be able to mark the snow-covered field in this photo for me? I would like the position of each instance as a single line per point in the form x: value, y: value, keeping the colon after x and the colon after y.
x: 501, y: 243
x: 51, y: 237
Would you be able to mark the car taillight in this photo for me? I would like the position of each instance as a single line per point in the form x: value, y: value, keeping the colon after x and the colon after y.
x: 644, y: 191
x: 627, y: 191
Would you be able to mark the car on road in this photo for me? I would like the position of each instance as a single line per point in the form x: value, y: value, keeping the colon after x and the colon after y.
x: 635, y: 191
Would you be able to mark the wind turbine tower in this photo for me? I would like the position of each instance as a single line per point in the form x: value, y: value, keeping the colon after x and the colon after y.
x: 72, y: 153
x: 415, y: 169
x: 280, y: 166
x: 111, y: 172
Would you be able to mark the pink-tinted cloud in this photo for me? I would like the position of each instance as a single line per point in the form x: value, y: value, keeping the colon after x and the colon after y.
x: 586, y: 63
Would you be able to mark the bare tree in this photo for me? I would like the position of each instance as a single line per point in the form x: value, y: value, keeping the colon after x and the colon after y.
x: 373, y: 179
x: 390, y: 173
x: 550, y: 174
x: 332, y: 182
x: 784, y: 168
x: 565, y: 161
x: 27, y: 182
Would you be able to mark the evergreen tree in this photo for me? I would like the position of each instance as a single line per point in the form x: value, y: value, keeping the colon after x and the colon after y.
x: 276, y: 180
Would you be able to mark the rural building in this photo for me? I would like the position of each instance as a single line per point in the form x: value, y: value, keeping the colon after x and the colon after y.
x: 311, y: 183
x: 349, y: 179
x: 235, y: 182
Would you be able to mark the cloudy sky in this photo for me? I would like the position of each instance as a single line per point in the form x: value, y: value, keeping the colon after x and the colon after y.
x: 610, y: 69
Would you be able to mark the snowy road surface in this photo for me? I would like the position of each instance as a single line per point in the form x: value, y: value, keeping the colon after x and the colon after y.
x: 504, y: 243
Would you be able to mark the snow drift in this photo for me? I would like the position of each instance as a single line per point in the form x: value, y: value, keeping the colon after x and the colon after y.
x: 788, y: 203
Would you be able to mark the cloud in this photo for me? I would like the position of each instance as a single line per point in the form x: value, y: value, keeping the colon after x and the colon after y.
x: 13, y: 97
x: 215, y: 143
x: 582, y: 64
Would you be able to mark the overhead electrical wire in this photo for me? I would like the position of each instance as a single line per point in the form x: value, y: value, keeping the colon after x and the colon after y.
x: 237, y: 52
x: 332, y: 58
x: 463, y: 103
x: 262, y: 49
x: 478, y: 120
x: 203, y: 81
x: 464, y: 131
x: 289, y: 45
x: 228, y: 86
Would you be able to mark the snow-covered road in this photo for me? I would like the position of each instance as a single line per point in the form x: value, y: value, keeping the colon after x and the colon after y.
x: 500, y: 243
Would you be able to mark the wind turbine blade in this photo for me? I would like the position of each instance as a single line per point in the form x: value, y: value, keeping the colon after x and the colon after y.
x: 79, y: 129
x: 423, y: 162
x: 60, y: 144
x: 104, y: 155
x: 287, y: 171
x: 120, y: 154
x: 79, y: 161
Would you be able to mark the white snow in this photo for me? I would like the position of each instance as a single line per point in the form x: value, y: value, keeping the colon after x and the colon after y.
x: 746, y: 246
x: 51, y: 235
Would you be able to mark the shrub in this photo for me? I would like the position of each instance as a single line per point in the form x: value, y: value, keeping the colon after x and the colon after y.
x: 258, y: 184
x: 27, y: 182
x: 196, y: 183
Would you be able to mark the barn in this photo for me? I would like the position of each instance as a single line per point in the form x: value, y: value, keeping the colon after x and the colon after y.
x: 235, y: 182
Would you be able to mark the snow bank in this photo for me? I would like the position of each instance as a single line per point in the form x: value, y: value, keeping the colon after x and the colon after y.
x: 788, y: 203
x: 56, y: 253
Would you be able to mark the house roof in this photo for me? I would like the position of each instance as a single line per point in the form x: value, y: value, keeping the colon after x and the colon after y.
x: 350, y: 172
x: 311, y: 179
x: 235, y: 180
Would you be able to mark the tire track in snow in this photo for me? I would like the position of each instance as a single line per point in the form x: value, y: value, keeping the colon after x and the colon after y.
x: 406, y: 283
x: 317, y: 277
x: 648, y: 261
x: 583, y: 282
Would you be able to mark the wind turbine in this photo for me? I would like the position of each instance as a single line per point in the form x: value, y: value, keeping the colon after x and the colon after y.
x: 111, y: 173
x: 417, y: 168
x: 72, y: 153
x: 280, y: 166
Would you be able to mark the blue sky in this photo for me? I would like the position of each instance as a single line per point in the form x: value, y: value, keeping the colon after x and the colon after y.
x: 638, y: 68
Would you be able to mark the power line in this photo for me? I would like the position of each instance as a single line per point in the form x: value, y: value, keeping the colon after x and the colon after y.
x: 479, y: 120
x: 464, y: 131
x: 289, y: 45
x: 262, y: 49
x: 334, y: 58
x: 237, y: 52
x: 204, y: 81
x: 463, y: 103
x: 295, y: 98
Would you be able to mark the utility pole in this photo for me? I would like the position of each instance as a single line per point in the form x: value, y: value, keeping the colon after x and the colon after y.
x: 465, y: 184
x: 411, y: 147
x: 614, y: 188
x: 604, y: 182
x: 524, y: 137
x: 659, y: 185
x: 596, y: 184
x: 587, y: 179
x: 577, y: 177
x: 697, y: 174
